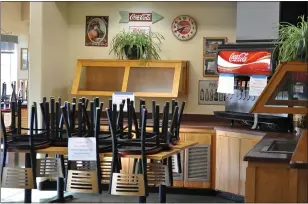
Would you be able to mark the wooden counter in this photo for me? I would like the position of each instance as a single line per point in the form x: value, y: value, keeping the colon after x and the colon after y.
x: 300, y: 156
x: 270, y: 176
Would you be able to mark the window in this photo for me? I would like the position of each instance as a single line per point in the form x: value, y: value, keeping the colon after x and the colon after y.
x: 8, y: 67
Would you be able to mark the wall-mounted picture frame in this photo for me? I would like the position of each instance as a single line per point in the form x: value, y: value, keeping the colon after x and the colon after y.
x: 24, y: 59
x: 208, y: 95
x: 210, y: 45
x: 209, y: 67
x: 146, y: 29
x: 96, y: 31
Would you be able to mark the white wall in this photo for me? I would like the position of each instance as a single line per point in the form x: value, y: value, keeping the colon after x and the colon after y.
x: 49, y: 48
x: 213, y: 18
x: 11, y: 21
x: 257, y: 20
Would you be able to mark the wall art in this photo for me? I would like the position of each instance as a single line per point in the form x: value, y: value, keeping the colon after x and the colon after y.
x: 127, y: 17
x: 184, y: 27
x: 24, y: 59
x: 210, y: 45
x: 146, y: 29
x: 209, y: 67
x: 208, y: 93
x: 96, y: 31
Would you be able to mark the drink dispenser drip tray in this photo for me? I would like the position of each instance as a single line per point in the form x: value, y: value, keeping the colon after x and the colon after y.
x: 265, y: 122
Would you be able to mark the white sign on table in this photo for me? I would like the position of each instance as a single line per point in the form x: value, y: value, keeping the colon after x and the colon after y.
x: 257, y: 85
x: 117, y: 98
x: 226, y: 84
x: 82, y: 149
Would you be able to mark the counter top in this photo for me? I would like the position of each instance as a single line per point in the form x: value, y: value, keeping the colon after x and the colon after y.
x: 256, y: 154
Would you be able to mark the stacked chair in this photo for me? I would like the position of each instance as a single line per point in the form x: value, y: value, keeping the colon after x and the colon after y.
x: 124, y: 134
x: 13, y: 139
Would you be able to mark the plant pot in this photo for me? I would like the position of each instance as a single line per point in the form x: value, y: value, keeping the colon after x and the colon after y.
x: 133, y: 55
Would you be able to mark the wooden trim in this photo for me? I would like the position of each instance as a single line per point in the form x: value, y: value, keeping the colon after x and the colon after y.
x: 260, y: 105
x: 76, y: 80
x: 125, y: 78
x: 250, y: 186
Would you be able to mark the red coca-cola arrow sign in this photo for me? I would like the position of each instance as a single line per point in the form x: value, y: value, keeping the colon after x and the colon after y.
x: 143, y: 17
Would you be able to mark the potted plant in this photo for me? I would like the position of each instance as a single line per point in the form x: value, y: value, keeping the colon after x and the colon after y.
x: 137, y: 45
x: 292, y: 43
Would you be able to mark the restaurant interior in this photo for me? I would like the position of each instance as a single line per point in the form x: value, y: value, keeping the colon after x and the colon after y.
x: 160, y: 102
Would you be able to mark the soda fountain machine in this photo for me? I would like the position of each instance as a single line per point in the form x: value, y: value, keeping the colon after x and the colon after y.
x: 243, y: 61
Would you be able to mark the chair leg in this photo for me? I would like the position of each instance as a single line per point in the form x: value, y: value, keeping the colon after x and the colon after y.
x: 169, y: 163
x: 178, y: 157
x: 3, y: 161
x: 33, y: 166
x: 135, y: 165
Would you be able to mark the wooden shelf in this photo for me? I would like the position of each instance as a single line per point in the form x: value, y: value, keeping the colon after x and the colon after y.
x: 157, y: 78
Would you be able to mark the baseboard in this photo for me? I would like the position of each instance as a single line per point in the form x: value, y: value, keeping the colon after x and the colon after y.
x: 51, y: 185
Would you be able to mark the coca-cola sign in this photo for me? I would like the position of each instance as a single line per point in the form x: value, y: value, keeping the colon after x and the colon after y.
x: 140, y: 17
x: 244, y: 62
x: 144, y: 17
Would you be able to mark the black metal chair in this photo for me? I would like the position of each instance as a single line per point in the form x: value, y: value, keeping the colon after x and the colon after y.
x: 13, y: 177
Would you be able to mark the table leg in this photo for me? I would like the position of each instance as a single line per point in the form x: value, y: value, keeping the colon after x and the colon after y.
x: 28, y: 192
x: 142, y: 199
x: 60, y: 189
x: 162, y: 193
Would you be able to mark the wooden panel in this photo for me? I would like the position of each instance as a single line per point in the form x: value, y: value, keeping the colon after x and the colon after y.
x: 227, y: 164
x: 201, y: 138
x: 102, y: 77
x: 275, y: 183
x: 246, y: 146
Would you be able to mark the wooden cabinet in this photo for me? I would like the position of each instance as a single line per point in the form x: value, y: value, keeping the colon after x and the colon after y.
x: 276, y: 183
x: 159, y: 78
x: 230, y: 167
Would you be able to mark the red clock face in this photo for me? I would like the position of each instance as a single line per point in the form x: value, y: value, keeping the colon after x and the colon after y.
x: 184, y: 27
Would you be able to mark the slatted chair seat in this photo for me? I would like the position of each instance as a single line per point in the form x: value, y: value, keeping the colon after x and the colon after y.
x: 17, y: 178
x: 128, y: 184
x: 49, y: 167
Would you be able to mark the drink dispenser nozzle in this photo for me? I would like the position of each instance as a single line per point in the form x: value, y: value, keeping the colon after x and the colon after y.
x: 243, y: 89
x: 247, y: 87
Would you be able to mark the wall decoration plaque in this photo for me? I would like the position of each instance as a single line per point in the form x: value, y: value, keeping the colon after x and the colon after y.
x: 127, y: 16
x: 146, y: 29
x: 208, y: 94
x: 96, y: 32
x: 210, y: 45
x: 24, y: 59
x: 209, y: 67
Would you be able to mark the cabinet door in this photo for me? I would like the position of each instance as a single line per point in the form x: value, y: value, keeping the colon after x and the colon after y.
x: 246, y: 146
x: 227, y: 164
x: 197, y: 167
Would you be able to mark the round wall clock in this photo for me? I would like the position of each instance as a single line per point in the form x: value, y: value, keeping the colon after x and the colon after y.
x: 184, y: 27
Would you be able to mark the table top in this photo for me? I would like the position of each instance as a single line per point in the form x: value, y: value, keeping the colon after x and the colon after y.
x: 157, y: 156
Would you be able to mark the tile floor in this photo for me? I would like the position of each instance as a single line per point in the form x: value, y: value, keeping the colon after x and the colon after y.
x: 17, y: 196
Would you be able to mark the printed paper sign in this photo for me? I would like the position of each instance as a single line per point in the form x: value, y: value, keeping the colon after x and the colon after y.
x: 257, y: 85
x: 82, y: 149
x: 226, y: 83
x: 117, y: 98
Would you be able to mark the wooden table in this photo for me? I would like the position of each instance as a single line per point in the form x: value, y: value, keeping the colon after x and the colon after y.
x: 157, y: 156
x: 180, y: 146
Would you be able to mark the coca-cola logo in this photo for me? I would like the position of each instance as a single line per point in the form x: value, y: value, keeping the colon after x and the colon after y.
x: 140, y: 17
x: 240, y: 58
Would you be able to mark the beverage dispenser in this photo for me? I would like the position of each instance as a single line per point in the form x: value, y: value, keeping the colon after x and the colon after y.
x: 243, y: 61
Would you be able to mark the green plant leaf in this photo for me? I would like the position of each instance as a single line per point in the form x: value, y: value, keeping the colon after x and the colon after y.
x: 147, y: 45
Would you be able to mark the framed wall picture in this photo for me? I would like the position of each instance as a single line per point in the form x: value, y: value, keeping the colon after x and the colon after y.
x: 210, y: 45
x: 209, y: 66
x: 24, y: 59
x: 96, y: 31
x: 208, y: 94
x: 146, y: 29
